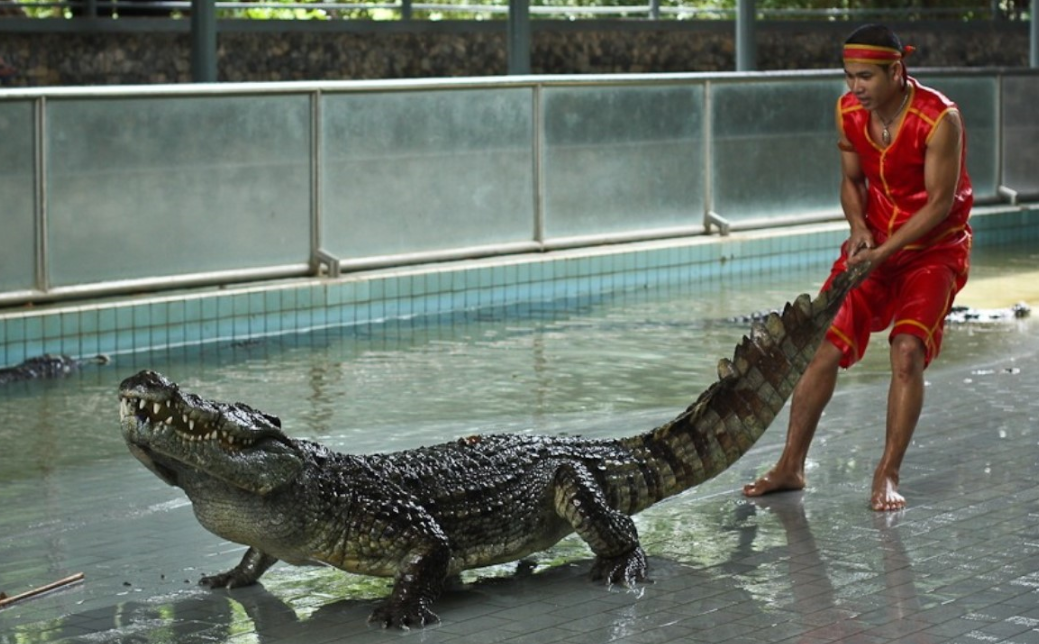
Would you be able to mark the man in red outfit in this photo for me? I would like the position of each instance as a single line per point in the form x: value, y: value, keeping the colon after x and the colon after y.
x: 907, y: 197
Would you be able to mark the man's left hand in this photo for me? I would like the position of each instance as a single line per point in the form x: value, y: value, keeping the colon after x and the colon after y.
x: 865, y: 253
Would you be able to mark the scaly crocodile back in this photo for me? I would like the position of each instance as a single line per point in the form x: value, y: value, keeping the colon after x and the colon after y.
x: 752, y: 388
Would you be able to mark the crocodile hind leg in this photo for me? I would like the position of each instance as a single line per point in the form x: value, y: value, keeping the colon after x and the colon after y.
x: 247, y: 572
x: 610, y: 534
x: 418, y: 583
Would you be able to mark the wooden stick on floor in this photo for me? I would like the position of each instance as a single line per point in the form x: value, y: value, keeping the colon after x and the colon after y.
x: 71, y: 579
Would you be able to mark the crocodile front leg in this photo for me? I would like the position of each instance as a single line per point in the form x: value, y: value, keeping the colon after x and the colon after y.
x: 610, y: 534
x: 252, y: 566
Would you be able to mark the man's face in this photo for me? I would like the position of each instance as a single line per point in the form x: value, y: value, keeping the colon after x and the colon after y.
x: 873, y: 85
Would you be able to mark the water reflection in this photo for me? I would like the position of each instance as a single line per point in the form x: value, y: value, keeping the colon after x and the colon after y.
x: 73, y: 500
x: 903, y: 599
x: 197, y: 616
x: 878, y: 599
x: 545, y: 600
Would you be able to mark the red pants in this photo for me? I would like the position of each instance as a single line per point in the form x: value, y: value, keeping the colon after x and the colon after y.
x: 912, y: 292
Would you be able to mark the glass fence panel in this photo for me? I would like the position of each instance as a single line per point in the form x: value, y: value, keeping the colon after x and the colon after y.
x: 17, y: 201
x: 774, y: 152
x: 144, y: 185
x: 408, y: 172
x: 622, y: 159
x: 161, y: 186
x: 978, y: 100
x: 1021, y: 134
x: 775, y: 148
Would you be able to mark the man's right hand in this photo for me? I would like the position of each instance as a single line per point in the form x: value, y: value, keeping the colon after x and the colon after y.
x: 859, y: 241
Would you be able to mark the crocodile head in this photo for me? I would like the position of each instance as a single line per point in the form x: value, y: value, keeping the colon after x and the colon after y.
x: 183, y: 438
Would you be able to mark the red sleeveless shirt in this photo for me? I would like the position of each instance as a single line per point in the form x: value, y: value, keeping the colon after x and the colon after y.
x: 895, y: 175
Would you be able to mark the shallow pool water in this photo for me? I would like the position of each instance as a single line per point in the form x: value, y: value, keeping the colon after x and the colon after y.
x: 556, y: 367
x: 73, y: 499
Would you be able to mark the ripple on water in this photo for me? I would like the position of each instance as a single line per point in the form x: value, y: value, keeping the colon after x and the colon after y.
x: 607, y: 365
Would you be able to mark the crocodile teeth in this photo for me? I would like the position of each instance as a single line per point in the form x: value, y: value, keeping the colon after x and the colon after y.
x: 142, y: 404
x: 169, y: 420
x: 155, y: 408
x: 191, y: 424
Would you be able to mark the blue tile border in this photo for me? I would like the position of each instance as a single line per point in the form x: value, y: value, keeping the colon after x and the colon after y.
x: 239, y: 313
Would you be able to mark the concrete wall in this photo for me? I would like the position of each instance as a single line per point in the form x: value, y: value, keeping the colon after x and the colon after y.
x: 142, y: 51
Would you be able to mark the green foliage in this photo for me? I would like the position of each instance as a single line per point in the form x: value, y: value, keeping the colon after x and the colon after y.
x: 39, y: 9
x: 268, y: 13
x: 853, y: 10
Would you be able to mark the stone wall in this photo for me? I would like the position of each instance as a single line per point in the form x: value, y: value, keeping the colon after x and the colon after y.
x: 370, y: 50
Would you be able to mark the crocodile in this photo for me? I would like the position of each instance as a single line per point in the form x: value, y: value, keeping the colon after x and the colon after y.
x: 49, y: 365
x: 424, y: 515
x: 958, y: 314
x: 970, y: 315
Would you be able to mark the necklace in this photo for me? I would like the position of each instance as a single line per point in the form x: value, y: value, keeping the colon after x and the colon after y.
x: 886, y: 134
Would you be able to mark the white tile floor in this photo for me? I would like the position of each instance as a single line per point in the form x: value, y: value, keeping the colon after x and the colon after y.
x: 961, y: 564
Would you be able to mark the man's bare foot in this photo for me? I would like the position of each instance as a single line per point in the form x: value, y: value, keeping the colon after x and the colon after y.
x: 885, y: 494
x: 775, y: 481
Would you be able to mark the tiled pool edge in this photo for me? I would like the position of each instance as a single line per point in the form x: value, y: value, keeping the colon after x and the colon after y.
x: 236, y: 313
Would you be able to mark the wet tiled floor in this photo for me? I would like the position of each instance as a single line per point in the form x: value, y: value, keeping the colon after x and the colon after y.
x: 961, y: 564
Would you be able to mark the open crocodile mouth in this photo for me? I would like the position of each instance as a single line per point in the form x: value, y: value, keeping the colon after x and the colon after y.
x: 152, y: 407
x: 182, y: 423
x: 175, y: 433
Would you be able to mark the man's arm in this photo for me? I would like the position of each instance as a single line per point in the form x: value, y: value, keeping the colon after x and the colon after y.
x: 853, y: 193
x: 941, y: 176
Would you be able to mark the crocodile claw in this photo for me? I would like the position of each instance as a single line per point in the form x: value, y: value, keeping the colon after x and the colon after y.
x: 627, y: 569
x: 404, y: 617
x: 229, y: 579
x: 246, y: 573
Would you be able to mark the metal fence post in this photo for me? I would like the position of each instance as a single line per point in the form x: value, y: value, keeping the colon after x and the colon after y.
x: 519, y: 37
x: 203, y: 41
x: 1033, y: 48
x: 40, y: 171
x: 746, y: 52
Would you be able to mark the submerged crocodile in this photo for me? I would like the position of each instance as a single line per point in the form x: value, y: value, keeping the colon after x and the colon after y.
x: 424, y: 515
x: 968, y: 314
x: 48, y: 365
x: 957, y: 315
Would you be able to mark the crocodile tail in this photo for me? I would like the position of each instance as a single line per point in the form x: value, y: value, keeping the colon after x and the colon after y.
x: 752, y: 388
